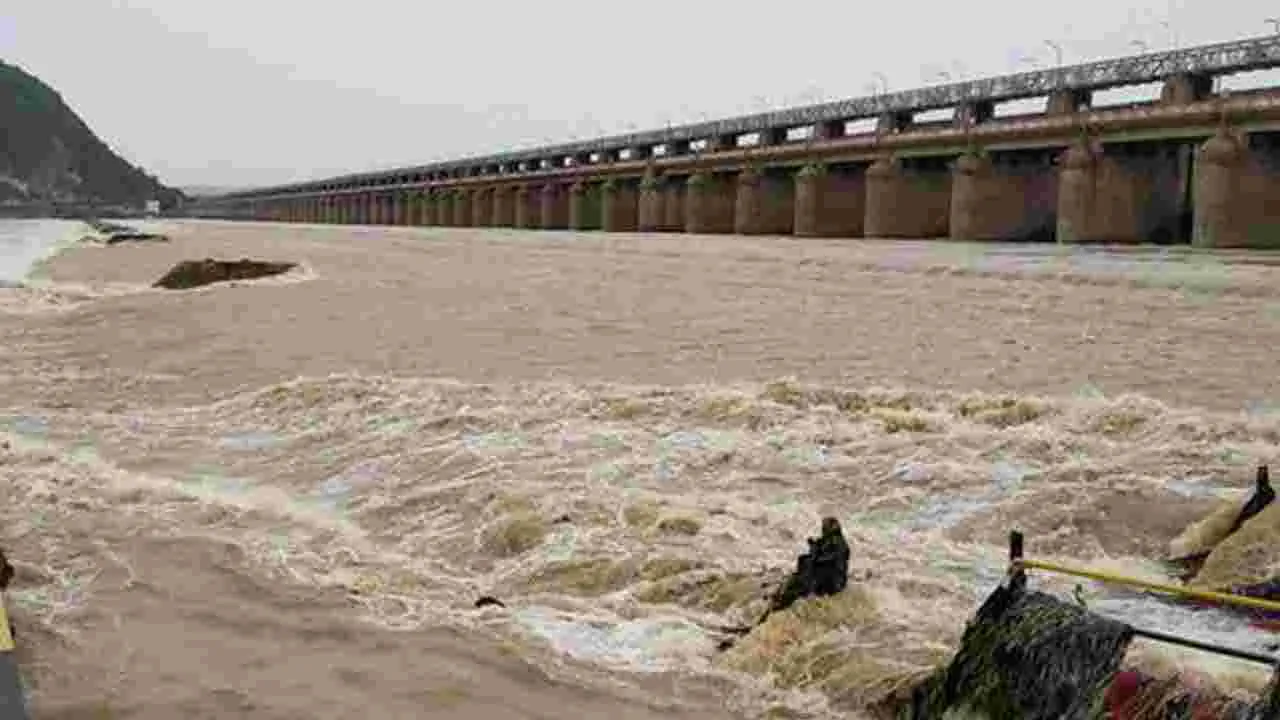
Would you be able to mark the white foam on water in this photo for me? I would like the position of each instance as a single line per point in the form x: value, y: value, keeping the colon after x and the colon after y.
x: 651, y: 644
x: 25, y: 243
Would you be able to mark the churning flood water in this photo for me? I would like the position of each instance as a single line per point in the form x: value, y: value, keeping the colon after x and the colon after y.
x: 281, y: 498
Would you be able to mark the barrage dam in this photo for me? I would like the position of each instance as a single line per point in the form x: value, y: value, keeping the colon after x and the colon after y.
x: 1195, y: 165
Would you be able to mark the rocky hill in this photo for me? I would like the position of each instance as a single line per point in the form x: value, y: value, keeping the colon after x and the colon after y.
x: 48, y: 153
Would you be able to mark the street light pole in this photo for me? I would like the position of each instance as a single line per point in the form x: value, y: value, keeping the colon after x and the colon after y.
x: 884, y: 81
x: 1057, y: 50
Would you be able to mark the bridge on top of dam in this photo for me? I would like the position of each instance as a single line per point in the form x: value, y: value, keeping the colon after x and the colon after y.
x: 1194, y: 165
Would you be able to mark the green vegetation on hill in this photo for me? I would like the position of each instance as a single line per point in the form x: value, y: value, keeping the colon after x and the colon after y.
x: 49, y: 153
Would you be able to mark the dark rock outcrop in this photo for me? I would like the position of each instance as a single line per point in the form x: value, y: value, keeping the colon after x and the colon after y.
x: 195, y: 273
x: 1026, y: 655
x: 822, y: 571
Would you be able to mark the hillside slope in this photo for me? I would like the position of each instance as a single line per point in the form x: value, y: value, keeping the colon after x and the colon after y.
x: 48, y: 153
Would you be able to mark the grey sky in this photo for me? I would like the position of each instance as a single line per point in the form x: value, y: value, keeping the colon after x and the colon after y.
x: 239, y: 92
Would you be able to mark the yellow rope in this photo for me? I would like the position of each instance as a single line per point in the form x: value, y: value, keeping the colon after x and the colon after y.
x: 6, y: 638
x: 1207, y: 595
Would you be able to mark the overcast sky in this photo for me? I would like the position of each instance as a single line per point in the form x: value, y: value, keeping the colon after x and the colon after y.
x: 245, y: 93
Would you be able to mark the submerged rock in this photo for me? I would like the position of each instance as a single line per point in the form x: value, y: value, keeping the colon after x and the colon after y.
x: 194, y: 273
x: 114, y: 233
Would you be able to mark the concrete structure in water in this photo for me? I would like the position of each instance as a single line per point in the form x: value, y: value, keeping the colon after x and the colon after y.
x: 1192, y: 166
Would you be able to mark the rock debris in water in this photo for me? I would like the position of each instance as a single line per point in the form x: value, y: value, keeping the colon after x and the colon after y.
x: 1027, y: 655
x: 195, y: 273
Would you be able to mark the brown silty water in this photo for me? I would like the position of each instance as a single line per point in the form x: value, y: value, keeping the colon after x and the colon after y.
x: 280, y: 498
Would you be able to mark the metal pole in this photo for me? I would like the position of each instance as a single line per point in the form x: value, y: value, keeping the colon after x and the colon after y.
x: 1208, y: 647
x: 1057, y: 50
x: 884, y: 82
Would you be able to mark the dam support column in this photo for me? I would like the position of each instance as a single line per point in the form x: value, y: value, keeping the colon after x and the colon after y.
x: 764, y: 204
x: 364, y: 208
x: 528, y: 209
x: 674, y: 192
x: 649, y: 213
x: 481, y: 207
x: 391, y: 208
x: 427, y: 215
x: 1234, y: 187
x: 503, y: 213
x: 829, y: 202
x: 584, y: 206
x: 1009, y: 201
x: 459, y: 207
x: 554, y: 208
x: 709, y: 202
x: 444, y: 207
x: 619, y: 206
x: 905, y: 201
x: 408, y: 207
x: 1130, y: 193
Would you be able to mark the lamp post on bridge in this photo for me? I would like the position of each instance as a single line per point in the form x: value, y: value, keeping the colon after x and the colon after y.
x: 1057, y: 51
x: 884, y: 81
x: 1275, y: 25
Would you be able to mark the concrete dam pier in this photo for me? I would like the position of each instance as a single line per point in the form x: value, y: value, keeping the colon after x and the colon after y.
x: 1192, y: 166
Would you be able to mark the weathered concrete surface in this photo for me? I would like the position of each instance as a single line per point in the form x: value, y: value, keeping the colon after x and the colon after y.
x: 481, y: 206
x: 1000, y: 200
x: 528, y: 208
x: 651, y: 211
x: 1235, y: 189
x: 830, y: 201
x: 709, y: 203
x: 619, y: 206
x: 764, y: 203
x: 584, y: 206
x: 674, y: 192
x: 1113, y: 196
x: 554, y: 208
x: 503, y: 214
x: 430, y: 208
x: 906, y: 202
